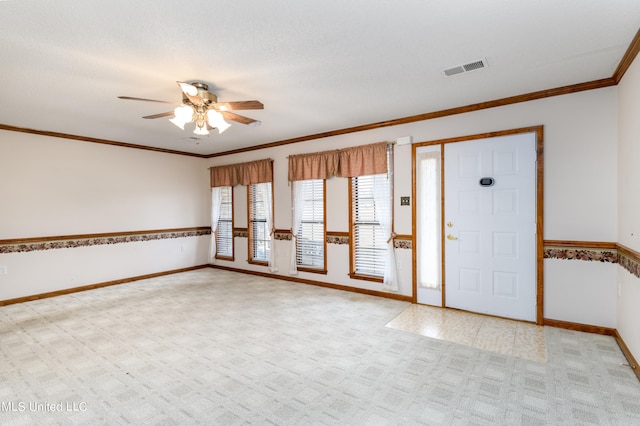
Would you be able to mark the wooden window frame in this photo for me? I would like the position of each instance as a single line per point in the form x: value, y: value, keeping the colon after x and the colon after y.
x: 250, y: 226
x: 322, y: 270
x: 352, y: 243
x: 352, y: 225
x: 232, y: 257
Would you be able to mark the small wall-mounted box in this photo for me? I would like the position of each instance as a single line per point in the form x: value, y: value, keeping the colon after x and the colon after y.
x: 405, y: 201
x: 405, y: 140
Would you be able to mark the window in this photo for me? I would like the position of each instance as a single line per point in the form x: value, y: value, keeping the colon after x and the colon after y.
x: 369, y: 243
x: 310, y: 247
x: 259, y: 232
x: 428, y: 217
x: 371, y: 218
x: 224, y: 232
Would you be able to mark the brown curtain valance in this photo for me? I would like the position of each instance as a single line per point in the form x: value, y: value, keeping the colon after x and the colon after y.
x: 363, y: 160
x: 316, y: 165
x: 349, y: 162
x: 242, y: 173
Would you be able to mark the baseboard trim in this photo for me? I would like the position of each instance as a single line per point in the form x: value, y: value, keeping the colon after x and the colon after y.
x: 94, y: 286
x: 628, y: 355
x: 587, y: 328
x: 317, y: 283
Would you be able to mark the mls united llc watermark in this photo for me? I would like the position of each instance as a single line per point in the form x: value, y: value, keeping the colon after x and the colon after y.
x: 45, y: 407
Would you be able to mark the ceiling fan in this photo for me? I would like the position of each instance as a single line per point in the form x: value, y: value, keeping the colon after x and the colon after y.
x: 202, y: 107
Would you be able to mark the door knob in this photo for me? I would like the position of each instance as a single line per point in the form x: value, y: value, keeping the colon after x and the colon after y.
x: 451, y: 237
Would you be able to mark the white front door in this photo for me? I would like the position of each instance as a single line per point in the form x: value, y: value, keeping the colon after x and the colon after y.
x: 490, y: 226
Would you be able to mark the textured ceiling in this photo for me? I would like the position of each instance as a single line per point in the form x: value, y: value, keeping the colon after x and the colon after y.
x: 317, y: 66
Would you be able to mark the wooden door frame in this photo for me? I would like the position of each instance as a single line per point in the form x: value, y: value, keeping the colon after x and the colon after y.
x: 539, y: 133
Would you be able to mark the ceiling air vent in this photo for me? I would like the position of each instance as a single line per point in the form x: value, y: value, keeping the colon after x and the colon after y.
x: 471, y: 66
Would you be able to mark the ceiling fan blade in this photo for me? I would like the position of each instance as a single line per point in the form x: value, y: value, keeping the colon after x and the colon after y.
x: 146, y: 100
x: 230, y: 106
x: 240, y: 118
x: 162, y: 114
x: 191, y: 92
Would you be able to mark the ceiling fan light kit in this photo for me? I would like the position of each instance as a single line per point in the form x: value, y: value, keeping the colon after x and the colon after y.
x: 202, y: 107
x: 196, y: 101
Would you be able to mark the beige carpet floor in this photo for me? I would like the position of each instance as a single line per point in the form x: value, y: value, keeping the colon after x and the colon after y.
x: 220, y: 348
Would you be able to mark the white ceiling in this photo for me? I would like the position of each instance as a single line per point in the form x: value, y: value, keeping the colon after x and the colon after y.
x: 316, y: 65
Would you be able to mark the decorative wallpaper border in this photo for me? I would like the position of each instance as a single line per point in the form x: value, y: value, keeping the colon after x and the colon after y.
x: 631, y: 265
x: 568, y: 250
x: 598, y: 252
x: 629, y: 260
x: 588, y: 254
x: 280, y: 234
x: 339, y: 238
x: 401, y: 243
x: 241, y: 233
x: 283, y: 235
x: 97, y: 240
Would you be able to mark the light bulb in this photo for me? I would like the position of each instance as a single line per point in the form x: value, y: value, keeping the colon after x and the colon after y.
x: 178, y: 122
x: 213, y: 116
x: 216, y: 120
x: 222, y: 126
x: 184, y: 112
x: 201, y: 131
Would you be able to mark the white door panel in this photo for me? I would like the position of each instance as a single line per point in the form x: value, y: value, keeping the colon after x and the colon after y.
x: 490, y: 244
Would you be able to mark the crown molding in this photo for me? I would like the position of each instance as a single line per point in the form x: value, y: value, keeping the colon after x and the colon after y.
x: 628, y: 58
x: 95, y: 140
x: 564, y: 90
x: 623, y: 66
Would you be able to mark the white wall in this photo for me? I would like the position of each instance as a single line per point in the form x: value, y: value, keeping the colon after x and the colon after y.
x: 52, y: 186
x: 57, y: 187
x: 337, y: 216
x: 629, y: 203
x: 572, y: 286
x: 40, y: 272
x: 580, y: 201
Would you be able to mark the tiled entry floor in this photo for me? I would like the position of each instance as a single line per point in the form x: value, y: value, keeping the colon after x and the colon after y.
x: 504, y: 336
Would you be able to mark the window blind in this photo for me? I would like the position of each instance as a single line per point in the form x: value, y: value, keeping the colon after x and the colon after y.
x: 311, y: 233
x: 224, y: 232
x: 259, y: 235
x: 370, y: 241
